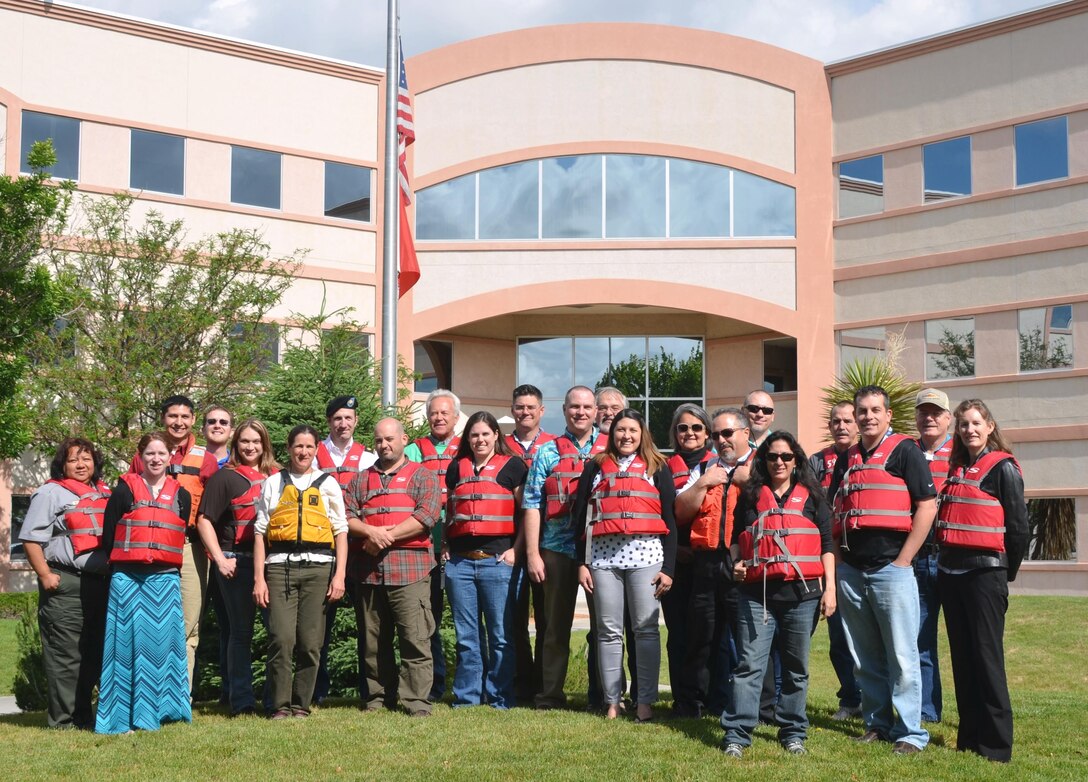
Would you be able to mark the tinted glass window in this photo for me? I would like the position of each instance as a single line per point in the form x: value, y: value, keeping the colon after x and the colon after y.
x: 950, y: 348
x: 947, y: 169
x: 62, y: 131
x: 1046, y: 338
x: 634, y: 196
x: 509, y: 199
x: 572, y: 197
x: 157, y: 162
x: 861, y: 186
x: 1042, y: 151
x: 698, y: 199
x: 861, y: 345
x: 447, y: 210
x: 761, y: 207
x: 780, y: 365
x: 255, y: 177
x: 347, y: 191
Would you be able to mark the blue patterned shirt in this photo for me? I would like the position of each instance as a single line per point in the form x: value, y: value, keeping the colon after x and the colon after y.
x: 558, y: 533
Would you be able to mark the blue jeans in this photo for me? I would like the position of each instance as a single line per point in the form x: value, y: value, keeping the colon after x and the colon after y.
x: 929, y: 602
x: 880, y: 619
x: 237, y: 593
x: 487, y: 589
x: 790, y: 627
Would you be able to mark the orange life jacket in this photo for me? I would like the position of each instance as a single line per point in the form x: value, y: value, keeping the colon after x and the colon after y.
x: 83, y: 521
x: 782, y: 543
x: 481, y: 506
x: 527, y: 454
x: 627, y: 502
x: 187, y: 472
x: 870, y: 497
x: 967, y: 516
x: 346, y: 471
x: 562, y: 482
x: 243, y: 508
x: 153, y: 530
x: 938, y: 462
x: 439, y: 462
x: 388, y: 506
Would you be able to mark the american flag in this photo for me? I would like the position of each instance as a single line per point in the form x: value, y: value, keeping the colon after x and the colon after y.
x: 406, y: 134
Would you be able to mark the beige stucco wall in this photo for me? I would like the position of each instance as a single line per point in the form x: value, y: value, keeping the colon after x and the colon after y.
x: 1031, y: 70
x: 564, y: 102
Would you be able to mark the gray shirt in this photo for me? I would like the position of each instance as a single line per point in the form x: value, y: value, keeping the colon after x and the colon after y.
x: 44, y: 524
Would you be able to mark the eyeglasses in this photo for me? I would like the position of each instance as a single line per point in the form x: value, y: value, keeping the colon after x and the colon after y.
x: 753, y: 409
x: 723, y: 434
x: 785, y: 458
x: 682, y: 428
x: 220, y: 421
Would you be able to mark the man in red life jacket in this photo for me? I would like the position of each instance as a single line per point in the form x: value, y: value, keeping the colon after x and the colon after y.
x: 435, y: 452
x: 527, y: 408
x: 191, y: 465
x: 844, y: 432
x: 759, y: 409
x: 884, y: 510
x: 610, y: 401
x: 391, y: 509
x: 932, y: 416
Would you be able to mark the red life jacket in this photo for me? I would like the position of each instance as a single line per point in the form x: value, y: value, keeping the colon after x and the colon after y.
x: 938, y: 462
x: 870, y: 497
x: 389, y: 506
x: 83, y: 520
x: 627, y: 502
x: 782, y: 543
x: 346, y: 471
x: 680, y: 471
x: 480, y: 505
x: 527, y: 454
x: 153, y: 530
x: 967, y: 516
x: 829, y: 457
x: 243, y: 508
x: 439, y: 462
x: 562, y: 482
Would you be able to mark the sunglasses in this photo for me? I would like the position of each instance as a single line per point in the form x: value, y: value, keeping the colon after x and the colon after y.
x: 723, y: 434
x: 785, y: 458
x: 682, y: 428
x: 753, y: 409
x: 220, y: 421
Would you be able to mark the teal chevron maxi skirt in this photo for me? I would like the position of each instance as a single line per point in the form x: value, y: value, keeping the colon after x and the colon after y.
x: 145, y: 679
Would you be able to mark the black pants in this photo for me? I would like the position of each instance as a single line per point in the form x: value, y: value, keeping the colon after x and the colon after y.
x: 528, y: 677
x: 712, y: 611
x: 674, y: 608
x: 974, y: 614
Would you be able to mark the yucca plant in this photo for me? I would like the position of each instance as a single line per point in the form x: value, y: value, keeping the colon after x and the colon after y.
x: 884, y: 371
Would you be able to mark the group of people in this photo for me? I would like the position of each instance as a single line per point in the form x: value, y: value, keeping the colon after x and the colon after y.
x: 739, y: 538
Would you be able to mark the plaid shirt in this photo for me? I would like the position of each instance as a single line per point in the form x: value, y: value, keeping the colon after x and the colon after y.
x: 395, y: 566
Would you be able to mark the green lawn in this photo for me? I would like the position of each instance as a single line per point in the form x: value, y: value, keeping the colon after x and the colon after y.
x: 1047, y: 645
x: 7, y: 654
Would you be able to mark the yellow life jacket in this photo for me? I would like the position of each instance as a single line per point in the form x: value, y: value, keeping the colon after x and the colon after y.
x: 300, y: 521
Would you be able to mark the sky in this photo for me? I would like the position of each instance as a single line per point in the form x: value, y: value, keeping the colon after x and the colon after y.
x: 355, y: 30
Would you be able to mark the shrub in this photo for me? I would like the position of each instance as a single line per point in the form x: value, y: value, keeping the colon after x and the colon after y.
x: 29, y: 684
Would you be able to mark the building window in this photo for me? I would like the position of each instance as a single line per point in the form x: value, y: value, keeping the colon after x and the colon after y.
x: 1046, y: 338
x: 157, y: 162
x: 779, y: 365
x: 63, y: 132
x: 20, y: 504
x: 655, y: 373
x: 947, y: 169
x: 434, y: 365
x: 255, y: 177
x: 605, y: 196
x: 1052, y: 524
x: 861, y: 345
x: 950, y: 348
x: 861, y: 186
x: 255, y: 342
x: 1042, y: 151
x: 347, y: 191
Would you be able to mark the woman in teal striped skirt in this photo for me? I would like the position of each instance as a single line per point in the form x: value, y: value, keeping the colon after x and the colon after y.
x: 145, y: 680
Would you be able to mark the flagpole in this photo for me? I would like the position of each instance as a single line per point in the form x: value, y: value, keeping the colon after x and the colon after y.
x: 390, y: 247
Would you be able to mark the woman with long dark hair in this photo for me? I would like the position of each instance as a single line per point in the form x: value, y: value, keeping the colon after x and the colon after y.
x: 62, y: 535
x: 784, y: 556
x: 479, y: 545
x: 982, y: 532
x: 623, y: 511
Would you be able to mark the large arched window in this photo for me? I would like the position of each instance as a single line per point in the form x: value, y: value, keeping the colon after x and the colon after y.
x: 605, y: 197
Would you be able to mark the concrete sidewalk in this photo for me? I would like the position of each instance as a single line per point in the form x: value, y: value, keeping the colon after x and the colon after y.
x: 7, y: 705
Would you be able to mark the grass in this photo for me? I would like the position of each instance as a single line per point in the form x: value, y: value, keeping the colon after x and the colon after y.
x: 8, y: 654
x: 1046, y: 644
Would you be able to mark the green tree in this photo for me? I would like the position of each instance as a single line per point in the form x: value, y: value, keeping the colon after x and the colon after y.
x: 669, y: 375
x: 957, y: 356
x: 1037, y: 353
x: 30, y: 210
x: 150, y: 314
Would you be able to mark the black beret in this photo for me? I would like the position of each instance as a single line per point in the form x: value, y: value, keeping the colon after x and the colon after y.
x: 340, y: 402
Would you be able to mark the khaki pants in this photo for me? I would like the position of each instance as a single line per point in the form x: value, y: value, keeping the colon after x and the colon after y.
x: 296, y: 630
x: 560, y: 597
x: 194, y: 588
x: 408, y: 608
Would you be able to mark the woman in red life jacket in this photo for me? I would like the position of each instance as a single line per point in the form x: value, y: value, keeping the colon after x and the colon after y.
x: 982, y: 534
x: 145, y: 677
x: 61, y: 535
x: 483, y: 484
x: 783, y: 554
x: 225, y: 520
x: 623, y: 513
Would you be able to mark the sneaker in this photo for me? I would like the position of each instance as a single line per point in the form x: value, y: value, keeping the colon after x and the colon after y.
x: 733, y: 750
x: 846, y: 713
x: 298, y: 711
x: 795, y: 747
x: 280, y: 714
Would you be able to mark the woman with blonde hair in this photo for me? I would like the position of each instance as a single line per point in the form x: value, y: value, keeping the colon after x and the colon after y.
x: 225, y: 522
x: 624, y: 512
